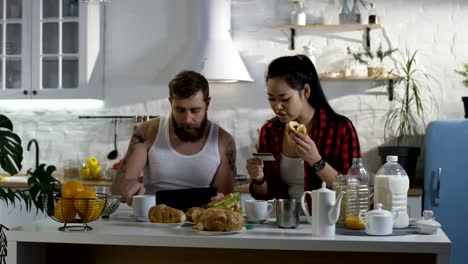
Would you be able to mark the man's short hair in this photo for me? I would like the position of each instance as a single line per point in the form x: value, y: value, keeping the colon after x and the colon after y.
x: 187, y: 83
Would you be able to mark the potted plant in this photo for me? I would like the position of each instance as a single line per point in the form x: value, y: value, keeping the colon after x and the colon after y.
x: 374, y: 61
x: 405, y: 121
x: 11, y: 155
x: 41, y: 180
x: 464, y: 72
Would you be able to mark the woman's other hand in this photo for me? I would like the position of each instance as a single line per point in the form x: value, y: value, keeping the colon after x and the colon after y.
x: 255, y: 169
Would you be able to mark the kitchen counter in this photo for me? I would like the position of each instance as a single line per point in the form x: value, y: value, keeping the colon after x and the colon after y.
x: 121, y: 240
x: 242, y: 186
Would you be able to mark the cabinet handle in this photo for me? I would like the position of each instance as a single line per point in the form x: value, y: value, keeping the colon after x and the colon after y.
x: 437, y: 191
x: 25, y: 92
x: 34, y: 92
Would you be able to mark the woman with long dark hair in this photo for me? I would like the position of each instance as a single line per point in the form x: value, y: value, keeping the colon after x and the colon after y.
x: 303, y: 162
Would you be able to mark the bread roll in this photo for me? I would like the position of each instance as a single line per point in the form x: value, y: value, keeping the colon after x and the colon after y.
x: 165, y: 214
x: 294, y: 126
x: 155, y: 213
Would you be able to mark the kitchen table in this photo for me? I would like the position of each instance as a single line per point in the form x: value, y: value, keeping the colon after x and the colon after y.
x: 121, y: 240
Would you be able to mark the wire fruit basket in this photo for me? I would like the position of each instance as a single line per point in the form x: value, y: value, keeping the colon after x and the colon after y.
x: 74, y: 213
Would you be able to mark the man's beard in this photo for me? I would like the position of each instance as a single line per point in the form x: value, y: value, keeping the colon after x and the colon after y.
x: 186, y: 132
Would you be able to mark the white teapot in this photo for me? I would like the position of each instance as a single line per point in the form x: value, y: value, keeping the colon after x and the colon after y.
x: 378, y: 222
x: 325, y: 210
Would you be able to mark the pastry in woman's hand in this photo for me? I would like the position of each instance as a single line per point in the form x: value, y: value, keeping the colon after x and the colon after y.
x: 294, y: 126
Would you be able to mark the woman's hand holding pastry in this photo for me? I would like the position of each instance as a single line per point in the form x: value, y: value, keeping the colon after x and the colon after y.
x: 306, y: 148
x: 255, y: 169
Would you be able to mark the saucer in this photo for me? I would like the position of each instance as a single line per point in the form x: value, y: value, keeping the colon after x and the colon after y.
x: 302, y: 220
x: 254, y: 221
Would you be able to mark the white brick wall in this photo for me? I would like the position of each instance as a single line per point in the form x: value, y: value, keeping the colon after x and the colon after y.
x: 141, y: 60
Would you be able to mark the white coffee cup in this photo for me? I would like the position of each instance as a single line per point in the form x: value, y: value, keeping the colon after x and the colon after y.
x: 257, y: 210
x: 141, y: 205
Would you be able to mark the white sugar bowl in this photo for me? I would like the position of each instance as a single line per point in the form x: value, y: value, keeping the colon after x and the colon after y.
x: 378, y: 222
x: 427, y: 225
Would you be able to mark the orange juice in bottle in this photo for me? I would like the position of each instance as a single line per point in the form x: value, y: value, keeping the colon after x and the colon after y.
x: 354, y: 223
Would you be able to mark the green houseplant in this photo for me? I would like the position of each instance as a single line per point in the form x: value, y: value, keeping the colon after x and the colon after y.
x: 464, y: 72
x: 405, y: 121
x: 11, y: 157
x: 374, y: 60
x: 41, y: 180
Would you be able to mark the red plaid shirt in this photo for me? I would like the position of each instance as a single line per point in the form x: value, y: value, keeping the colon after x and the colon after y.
x: 336, y: 140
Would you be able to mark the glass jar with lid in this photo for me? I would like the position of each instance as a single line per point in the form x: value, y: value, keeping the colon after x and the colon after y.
x: 340, y: 185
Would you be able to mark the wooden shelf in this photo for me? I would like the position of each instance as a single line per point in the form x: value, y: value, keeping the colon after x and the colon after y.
x: 390, y: 87
x: 339, y: 27
x: 390, y: 78
x: 331, y: 27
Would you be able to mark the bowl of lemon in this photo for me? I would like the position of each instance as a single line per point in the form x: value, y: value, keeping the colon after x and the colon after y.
x: 75, y: 206
x: 92, y: 169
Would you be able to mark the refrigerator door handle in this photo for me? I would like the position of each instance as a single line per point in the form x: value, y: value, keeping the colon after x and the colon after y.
x: 437, y: 191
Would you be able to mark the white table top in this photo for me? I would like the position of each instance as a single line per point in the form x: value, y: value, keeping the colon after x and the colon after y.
x: 121, y: 229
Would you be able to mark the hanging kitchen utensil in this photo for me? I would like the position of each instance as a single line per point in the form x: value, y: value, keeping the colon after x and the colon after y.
x: 114, y: 153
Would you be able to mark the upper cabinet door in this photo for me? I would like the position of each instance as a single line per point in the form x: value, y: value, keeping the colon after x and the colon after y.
x: 61, y: 49
x: 15, y: 49
x: 64, y: 60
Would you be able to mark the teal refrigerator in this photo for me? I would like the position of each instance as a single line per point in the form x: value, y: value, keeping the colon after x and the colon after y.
x: 446, y: 181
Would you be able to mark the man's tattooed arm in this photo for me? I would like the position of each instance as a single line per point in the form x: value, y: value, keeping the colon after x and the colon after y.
x: 120, y: 175
x: 231, y: 156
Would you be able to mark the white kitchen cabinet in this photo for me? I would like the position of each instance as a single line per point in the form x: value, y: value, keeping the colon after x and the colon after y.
x: 61, y: 50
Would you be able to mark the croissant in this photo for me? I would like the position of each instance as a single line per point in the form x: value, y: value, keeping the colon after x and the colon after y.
x: 216, y: 219
x: 193, y: 214
x: 165, y: 214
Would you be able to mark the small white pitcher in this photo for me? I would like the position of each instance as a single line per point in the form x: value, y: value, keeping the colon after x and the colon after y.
x: 378, y: 222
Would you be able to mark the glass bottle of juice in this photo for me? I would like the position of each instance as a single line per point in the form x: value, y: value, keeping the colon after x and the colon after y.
x: 352, y: 204
x: 357, y: 196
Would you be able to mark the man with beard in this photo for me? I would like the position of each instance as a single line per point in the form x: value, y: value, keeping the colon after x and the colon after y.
x: 184, y: 150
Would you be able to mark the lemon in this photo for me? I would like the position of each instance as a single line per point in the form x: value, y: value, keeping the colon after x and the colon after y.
x: 92, y: 162
x: 96, y: 172
x: 86, y: 173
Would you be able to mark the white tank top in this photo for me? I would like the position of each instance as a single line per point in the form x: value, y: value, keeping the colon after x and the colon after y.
x: 167, y: 169
x: 292, y: 173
